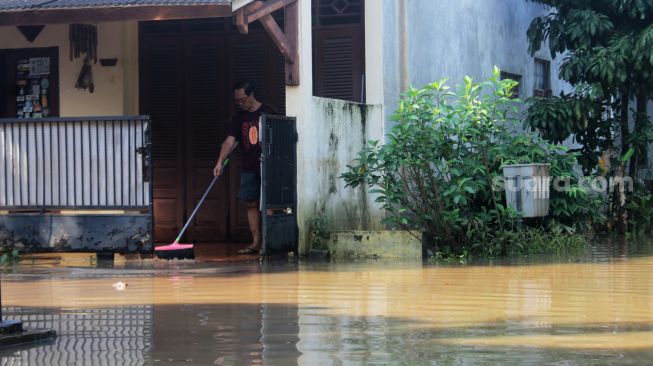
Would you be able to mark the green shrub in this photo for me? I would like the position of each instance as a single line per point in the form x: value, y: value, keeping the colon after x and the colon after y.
x: 438, y: 170
x: 9, y: 254
x: 639, y: 206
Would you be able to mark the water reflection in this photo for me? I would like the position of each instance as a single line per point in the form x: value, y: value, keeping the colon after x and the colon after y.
x: 595, y: 309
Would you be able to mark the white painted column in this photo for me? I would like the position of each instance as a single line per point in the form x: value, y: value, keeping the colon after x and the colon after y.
x: 299, y: 102
x: 374, y: 51
x: 404, y: 48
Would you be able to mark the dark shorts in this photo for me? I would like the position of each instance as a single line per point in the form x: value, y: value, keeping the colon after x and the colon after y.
x: 250, y: 186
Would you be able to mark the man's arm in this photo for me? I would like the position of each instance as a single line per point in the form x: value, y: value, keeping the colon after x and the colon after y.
x: 228, y: 146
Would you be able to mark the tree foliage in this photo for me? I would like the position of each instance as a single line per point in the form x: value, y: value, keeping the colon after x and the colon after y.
x: 607, y: 50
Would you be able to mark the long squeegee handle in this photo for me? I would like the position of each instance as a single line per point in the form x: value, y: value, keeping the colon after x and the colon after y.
x: 199, y: 204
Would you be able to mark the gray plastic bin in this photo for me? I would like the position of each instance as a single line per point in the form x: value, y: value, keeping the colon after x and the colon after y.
x: 527, y: 188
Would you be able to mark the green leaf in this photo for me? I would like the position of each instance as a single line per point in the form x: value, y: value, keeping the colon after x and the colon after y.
x: 627, y: 155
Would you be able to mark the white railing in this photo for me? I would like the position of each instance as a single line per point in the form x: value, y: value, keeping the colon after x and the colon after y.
x: 75, y: 163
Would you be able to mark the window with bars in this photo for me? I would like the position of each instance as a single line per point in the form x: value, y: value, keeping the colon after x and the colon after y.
x: 542, y: 85
x: 338, y: 49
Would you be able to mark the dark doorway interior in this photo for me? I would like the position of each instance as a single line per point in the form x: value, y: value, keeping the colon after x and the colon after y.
x: 186, y: 72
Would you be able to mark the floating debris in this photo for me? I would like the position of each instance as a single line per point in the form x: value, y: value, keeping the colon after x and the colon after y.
x: 120, y: 286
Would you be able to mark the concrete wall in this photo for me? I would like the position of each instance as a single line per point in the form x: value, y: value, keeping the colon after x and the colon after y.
x: 427, y: 40
x: 331, y: 132
x: 116, y: 88
x: 339, y: 131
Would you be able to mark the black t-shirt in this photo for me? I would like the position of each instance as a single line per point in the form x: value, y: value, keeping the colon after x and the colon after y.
x: 244, y: 128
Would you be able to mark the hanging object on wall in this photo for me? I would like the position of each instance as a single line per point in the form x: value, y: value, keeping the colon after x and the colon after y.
x: 83, y: 41
x: 30, y: 31
x: 85, y: 78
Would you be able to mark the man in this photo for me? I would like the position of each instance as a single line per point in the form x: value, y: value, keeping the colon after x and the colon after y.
x: 243, y: 130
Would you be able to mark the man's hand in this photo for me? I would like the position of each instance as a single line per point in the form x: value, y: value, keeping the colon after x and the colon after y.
x: 219, y: 166
x: 227, y: 147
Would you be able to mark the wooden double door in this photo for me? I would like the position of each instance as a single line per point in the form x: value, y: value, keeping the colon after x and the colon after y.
x: 186, y: 80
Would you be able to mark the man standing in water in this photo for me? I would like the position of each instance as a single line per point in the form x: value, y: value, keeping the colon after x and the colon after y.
x: 243, y: 130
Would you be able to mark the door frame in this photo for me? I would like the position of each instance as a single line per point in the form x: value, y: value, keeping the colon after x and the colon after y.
x: 235, y: 220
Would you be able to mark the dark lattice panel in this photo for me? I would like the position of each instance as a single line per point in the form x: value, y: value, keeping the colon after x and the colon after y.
x: 336, y: 12
x: 279, y: 198
x: 280, y: 161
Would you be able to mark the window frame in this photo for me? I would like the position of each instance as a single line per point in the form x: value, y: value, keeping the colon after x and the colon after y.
x: 356, y: 31
x: 546, y: 75
x: 516, y: 92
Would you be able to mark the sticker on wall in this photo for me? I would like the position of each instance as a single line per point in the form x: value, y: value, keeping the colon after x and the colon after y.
x: 22, y: 67
x: 39, y: 66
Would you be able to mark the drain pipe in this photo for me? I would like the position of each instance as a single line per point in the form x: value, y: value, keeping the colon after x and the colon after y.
x: 404, y: 58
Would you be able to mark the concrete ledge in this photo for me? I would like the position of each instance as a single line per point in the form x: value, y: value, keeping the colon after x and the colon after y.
x: 374, y: 244
x: 31, y: 232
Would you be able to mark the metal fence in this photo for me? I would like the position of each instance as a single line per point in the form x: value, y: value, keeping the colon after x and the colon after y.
x: 75, y: 163
x: 95, y: 336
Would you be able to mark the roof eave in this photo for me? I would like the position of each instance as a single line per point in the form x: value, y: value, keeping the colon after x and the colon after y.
x: 110, y: 14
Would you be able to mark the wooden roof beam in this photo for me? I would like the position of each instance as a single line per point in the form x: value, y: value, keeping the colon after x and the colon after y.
x: 287, y: 41
x: 269, y: 8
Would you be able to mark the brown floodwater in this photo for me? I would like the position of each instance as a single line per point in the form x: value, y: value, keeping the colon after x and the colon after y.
x: 594, y: 308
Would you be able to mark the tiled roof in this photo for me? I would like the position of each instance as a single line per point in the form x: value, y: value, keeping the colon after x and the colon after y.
x: 21, y: 5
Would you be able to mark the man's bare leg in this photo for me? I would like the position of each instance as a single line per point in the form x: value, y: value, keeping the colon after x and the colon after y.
x: 254, y: 220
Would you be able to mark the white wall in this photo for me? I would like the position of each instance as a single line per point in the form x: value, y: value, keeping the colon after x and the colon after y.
x: 451, y: 39
x: 116, y: 88
x: 331, y: 132
x: 339, y: 131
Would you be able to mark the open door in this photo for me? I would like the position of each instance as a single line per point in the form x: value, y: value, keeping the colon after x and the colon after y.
x: 279, y: 184
x: 187, y: 69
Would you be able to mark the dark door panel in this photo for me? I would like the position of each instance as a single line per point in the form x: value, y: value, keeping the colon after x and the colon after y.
x: 205, y: 128
x: 161, y: 81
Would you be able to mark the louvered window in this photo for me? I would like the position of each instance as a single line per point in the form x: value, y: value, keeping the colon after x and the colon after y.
x: 337, y: 12
x: 338, y: 53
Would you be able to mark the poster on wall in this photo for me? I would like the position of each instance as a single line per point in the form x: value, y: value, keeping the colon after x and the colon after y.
x: 32, y: 86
